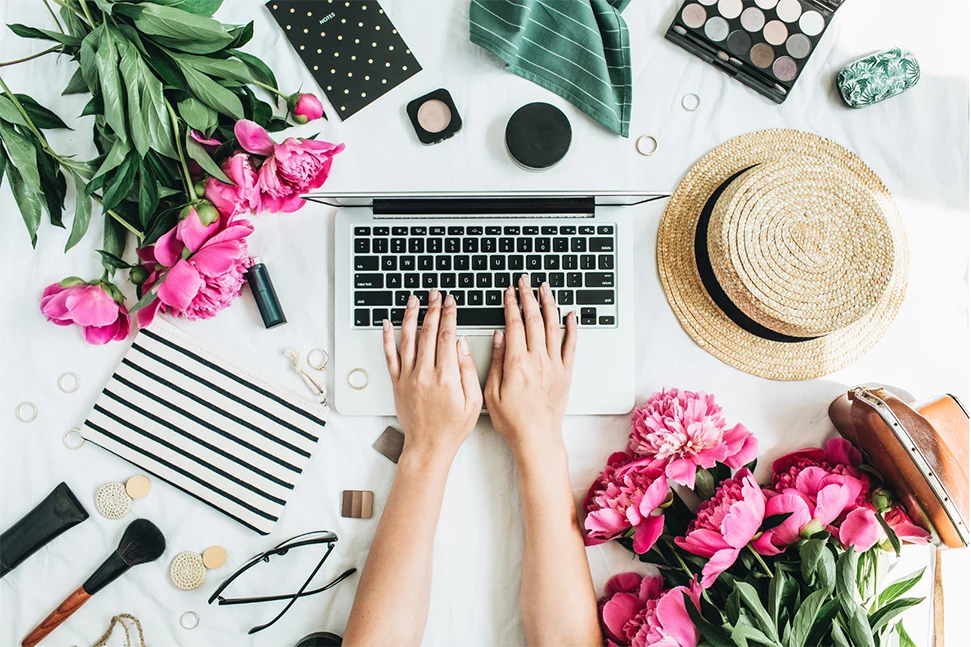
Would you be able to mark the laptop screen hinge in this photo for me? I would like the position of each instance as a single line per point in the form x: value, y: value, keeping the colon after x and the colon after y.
x: 502, y: 207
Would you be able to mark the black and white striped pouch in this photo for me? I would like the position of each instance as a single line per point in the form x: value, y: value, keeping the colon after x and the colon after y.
x: 193, y: 417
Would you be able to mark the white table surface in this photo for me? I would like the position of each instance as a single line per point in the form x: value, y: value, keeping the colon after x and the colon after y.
x: 918, y: 144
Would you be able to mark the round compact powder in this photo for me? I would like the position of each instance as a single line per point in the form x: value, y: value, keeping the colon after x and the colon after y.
x: 538, y: 136
x: 753, y: 19
x: 812, y: 23
x: 766, y: 4
x: 730, y: 8
x: 214, y: 557
x: 739, y: 42
x: 775, y: 33
x: 138, y: 486
x: 434, y: 116
x: 789, y: 10
x: 716, y: 29
x: 785, y: 69
x: 762, y: 55
x: 694, y: 16
x: 799, y: 46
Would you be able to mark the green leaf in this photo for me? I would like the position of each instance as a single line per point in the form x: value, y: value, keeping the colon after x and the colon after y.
x: 732, y: 608
x: 846, y: 589
x: 3, y: 163
x: 885, y: 614
x: 891, y: 535
x: 898, y: 587
x: 743, y: 633
x: 147, y: 194
x: 112, y: 91
x: 905, y: 639
x: 198, y: 115
x: 750, y: 598
x: 241, y: 35
x: 42, y: 34
x: 677, y: 516
x: 164, y: 67
x: 41, y: 116
x: 22, y: 155
x: 824, y: 621
x: 76, y: 85
x: 859, y: 627
x: 73, y: 24
x: 148, y: 117
x: 195, y: 150
x: 776, y: 587
x: 117, y: 154
x: 112, y: 262
x: 806, y: 616
x: 809, y: 556
x: 118, y: 187
x: 198, y: 7
x: 839, y: 636
x: 826, y: 571
x: 260, y: 70
x: 774, y: 521
x: 95, y: 106
x: 82, y: 213
x: 53, y: 183
x: 28, y: 202
x: 9, y: 112
x: 220, y: 68
x: 147, y: 298
x: 115, y: 237
x: 714, y: 634
x: 187, y: 32
x: 89, y: 59
x: 212, y: 94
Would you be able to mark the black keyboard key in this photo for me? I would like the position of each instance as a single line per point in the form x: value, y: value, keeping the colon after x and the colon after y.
x: 534, y: 262
x: 578, y: 245
x: 561, y: 244
x: 470, y: 245
x: 456, y: 231
x: 605, y: 262
x: 459, y: 297
x: 422, y: 297
x: 429, y: 281
x: 588, y: 312
x: 393, y: 281
x: 443, y: 263
x: 551, y: 263
x: 510, y: 231
x: 537, y: 279
x: 389, y: 263
x: 382, y: 231
x: 516, y: 263
x: 530, y: 231
x: 466, y: 280
x: 588, y: 262
x: 548, y: 231
x: 497, y: 263
x: 606, y: 321
x: 448, y: 280
x: 568, y: 230
x: 473, y: 231
x: 436, y: 231
x: 362, y: 231
x: 588, y: 316
x: 524, y: 245
x: 488, y: 245
x: 412, y: 281
x: 557, y: 280
x: 362, y: 246
x: 564, y: 297
x: 480, y: 263
x: 372, y: 298
x: 587, y: 230
x: 571, y: 262
x: 605, y: 230
x: 401, y: 298
x: 425, y: 263
x: 588, y: 321
x: 399, y: 245
x: 574, y: 280
x: 494, y: 298
x: 502, y: 280
x: 481, y: 317
x: 453, y: 245
x: 366, y: 263
x: 362, y: 317
x: 493, y: 231
x: 373, y: 281
x: 483, y: 281
x: 380, y: 246
x: 419, y: 231
x: 595, y: 297
x: 461, y: 263
x: 543, y: 245
x: 434, y: 245
x: 397, y: 316
x: 475, y: 297
x: 399, y: 231
x: 416, y: 245
x: 407, y: 263
x: 378, y: 315
x: 598, y: 280
x: 507, y: 245
x: 516, y: 276
x: 601, y: 244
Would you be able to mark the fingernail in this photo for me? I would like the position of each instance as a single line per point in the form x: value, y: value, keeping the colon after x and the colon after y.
x: 433, y: 296
x: 386, y: 325
x: 498, y: 339
x: 546, y: 287
x: 573, y: 314
x: 464, y: 346
x: 522, y: 280
x: 412, y: 302
x: 449, y: 301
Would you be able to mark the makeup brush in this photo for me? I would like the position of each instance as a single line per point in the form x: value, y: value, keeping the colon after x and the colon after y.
x: 142, y: 542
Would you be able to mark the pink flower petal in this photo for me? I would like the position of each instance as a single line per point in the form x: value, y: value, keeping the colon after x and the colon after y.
x: 702, y: 542
x: 682, y: 471
x: 115, y: 331
x: 842, y: 451
x: 674, y: 618
x: 199, y: 137
x: 860, y: 529
x: 607, y: 522
x: 146, y: 315
x: 650, y: 588
x: 744, y: 444
x: 618, y: 611
x: 90, y: 305
x: 646, y: 533
x: 168, y: 248
x: 717, y: 565
x: 53, y: 305
x: 745, y: 517
x: 253, y: 138
x: 655, y: 496
x: 180, y: 286
x: 763, y: 545
x: 213, y: 260
x: 623, y: 583
x: 831, y: 501
x: 787, y: 533
x: 809, y: 479
x: 193, y: 233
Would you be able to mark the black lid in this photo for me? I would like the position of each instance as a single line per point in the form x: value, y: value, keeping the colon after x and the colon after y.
x: 538, y: 135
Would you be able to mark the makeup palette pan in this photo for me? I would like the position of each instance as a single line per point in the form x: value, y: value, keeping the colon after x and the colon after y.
x: 434, y: 116
x: 765, y: 44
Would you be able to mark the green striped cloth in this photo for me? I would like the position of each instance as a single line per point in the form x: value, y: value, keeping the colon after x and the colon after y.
x: 579, y: 49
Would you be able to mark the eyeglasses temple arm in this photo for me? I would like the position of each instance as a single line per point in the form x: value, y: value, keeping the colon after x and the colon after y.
x: 273, y: 598
x: 294, y: 598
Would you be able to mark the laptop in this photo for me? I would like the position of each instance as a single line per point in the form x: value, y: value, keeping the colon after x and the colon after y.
x: 473, y: 246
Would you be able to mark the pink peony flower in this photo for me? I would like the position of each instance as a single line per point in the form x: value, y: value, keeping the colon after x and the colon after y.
x: 89, y: 305
x: 727, y: 523
x: 638, y: 612
x: 203, y: 268
x: 290, y: 169
x: 839, y: 457
x: 904, y: 527
x: 625, y: 497
x: 305, y: 108
x: 684, y: 432
x: 818, y: 499
x: 241, y: 197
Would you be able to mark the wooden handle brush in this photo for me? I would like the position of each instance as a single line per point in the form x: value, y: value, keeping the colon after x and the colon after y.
x: 142, y: 542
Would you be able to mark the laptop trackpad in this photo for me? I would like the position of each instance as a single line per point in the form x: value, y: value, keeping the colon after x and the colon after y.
x: 482, y: 354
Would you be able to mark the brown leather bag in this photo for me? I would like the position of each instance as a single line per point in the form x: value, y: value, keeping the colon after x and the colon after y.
x: 921, y: 449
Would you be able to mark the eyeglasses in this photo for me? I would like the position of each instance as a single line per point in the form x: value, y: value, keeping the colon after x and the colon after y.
x: 314, y: 538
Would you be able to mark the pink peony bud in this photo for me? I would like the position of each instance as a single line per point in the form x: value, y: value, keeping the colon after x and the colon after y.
x: 93, y: 306
x: 305, y: 108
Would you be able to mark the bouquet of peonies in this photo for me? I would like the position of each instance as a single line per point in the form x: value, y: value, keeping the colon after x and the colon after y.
x: 183, y: 152
x: 792, y: 563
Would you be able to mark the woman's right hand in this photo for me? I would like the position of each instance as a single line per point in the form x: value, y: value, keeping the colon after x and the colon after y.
x: 529, y: 379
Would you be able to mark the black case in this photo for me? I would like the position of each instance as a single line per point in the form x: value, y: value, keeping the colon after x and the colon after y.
x: 59, y: 511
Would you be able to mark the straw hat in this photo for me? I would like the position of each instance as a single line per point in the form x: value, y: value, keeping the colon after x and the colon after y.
x: 783, y: 255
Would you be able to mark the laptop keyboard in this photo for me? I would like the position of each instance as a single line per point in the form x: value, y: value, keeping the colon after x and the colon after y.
x: 475, y: 263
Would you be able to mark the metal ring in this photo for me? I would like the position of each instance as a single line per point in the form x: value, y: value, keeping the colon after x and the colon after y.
x: 77, y: 382
x: 367, y: 379
x: 26, y: 417
x: 68, y: 433
x: 644, y: 143
x: 322, y: 366
x: 690, y: 102
x: 193, y: 620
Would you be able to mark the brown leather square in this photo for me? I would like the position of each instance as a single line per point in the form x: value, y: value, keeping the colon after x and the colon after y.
x: 357, y: 504
x: 390, y: 444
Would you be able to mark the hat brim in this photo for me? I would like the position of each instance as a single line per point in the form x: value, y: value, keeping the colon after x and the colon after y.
x: 707, y: 324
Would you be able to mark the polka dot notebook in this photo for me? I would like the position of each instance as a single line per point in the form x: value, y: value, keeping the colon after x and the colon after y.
x: 352, y: 48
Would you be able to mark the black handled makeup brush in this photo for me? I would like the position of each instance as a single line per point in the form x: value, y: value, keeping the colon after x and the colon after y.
x: 142, y: 542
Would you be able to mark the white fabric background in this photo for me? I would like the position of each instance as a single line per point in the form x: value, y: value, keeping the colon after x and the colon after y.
x: 918, y: 144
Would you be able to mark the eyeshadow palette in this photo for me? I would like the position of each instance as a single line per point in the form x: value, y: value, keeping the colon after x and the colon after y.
x: 765, y: 44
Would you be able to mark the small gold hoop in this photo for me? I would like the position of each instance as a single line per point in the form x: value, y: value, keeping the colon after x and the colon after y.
x: 68, y: 444
x: 70, y: 376
x: 690, y: 102
x: 189, y: 620
x: 31, y: 412
x: 322, y: 364
x: 358, y: 386
x: 647, y: 145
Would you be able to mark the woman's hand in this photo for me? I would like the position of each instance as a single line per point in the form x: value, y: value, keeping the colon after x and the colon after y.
x: 532, y: 365
x: 436, y: 388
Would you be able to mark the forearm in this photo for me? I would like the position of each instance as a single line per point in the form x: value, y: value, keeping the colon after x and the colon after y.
x: 559, y: 605
x: 391, y: 605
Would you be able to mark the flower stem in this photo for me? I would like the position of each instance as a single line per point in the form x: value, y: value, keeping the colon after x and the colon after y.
x: 32, y: 56
x: 23, y: 113
x: 187, y: 178
x: 759, y: 559
x: 70, y: 8
x: 124, y: 223
x: 269, y: 88
x: 87, y: 13
x: 57, y: 22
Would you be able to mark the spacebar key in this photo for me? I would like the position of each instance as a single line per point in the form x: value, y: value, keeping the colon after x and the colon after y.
x: 595, y: 297
x: 481, y: 316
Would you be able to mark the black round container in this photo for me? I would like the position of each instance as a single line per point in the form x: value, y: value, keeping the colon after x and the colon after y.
x: 538, y: 136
